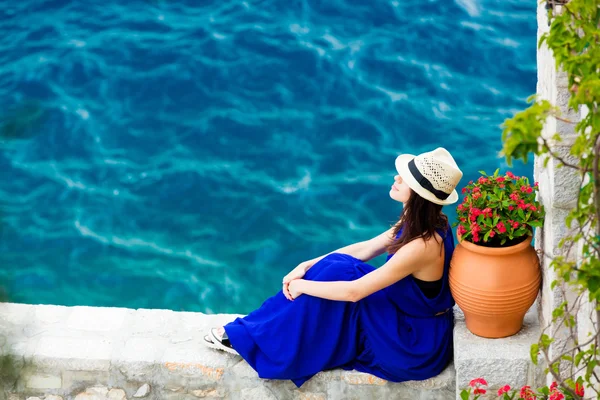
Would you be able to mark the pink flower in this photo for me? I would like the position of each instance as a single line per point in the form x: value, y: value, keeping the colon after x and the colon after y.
x: 503, y: 389
x: 527, y: 394
x: 556, y: 396
x: 476, y: 190
x: 461, y: 230
x: 464, y: 190
x: 477, y: 381
x: 515, y: 225
x: 536, y: 184
x: 475, y: 212
x: 510, y: 175
x: 514, y: 196
x: 500, y: 179
x: 553, y: 386
x: 529, y: 190
x: 501, y: 227
x: 482, y: 180
x: 492, y: 233
x: 511, y: 208
x: 487, y: 212
x: 476, y: 195
x: 533, y: 208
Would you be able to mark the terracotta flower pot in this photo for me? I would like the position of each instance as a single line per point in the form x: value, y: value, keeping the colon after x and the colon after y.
x: 494, y: 286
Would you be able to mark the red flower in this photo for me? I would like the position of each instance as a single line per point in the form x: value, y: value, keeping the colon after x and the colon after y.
x: 476, y: 190
x: 463, y: 219
x: 500, y: 179
x: 529, y: 190
x: 474, y: 213
x: 527, y: 394
x: 492, y: 233
x: 510, y: 175
x: 579, y: 391
x: 461, y: 230
x: 483, y: 180
x: 556, y: 396
x: 479, y: 391
x: 477, y: 381
x: 514, y: 196
x: 501, y: 227
x: 515, y: 225
x: 536, y: 184
x: 511, y: 208
x: 487, y: 212
x: 461, y: 207
x: 533, y: 208
x: 553, y: 386
x: 464, y: 190
x: 476, y: 196
x: 503, y: 389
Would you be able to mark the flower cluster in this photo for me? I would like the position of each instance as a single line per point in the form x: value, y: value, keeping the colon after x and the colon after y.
x: 477, y: 387
x: 498, y: 210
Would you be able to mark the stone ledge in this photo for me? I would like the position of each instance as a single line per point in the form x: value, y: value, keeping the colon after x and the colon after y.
x: 501, y: 362
x: 98, y: 353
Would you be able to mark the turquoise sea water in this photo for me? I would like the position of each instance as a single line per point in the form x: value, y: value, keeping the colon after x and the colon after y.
x: 187, y: 155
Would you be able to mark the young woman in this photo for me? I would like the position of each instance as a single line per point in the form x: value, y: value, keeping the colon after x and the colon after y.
x: 336, y: 311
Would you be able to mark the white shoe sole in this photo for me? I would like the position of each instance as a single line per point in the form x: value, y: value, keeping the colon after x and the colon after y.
x: 216, y: 343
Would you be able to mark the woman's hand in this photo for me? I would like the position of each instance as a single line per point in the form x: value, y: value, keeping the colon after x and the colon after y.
x: 294, y: 289
x: 296, y: 273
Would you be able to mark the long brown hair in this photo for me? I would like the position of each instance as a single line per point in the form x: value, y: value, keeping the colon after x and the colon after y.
x: 419, y: 219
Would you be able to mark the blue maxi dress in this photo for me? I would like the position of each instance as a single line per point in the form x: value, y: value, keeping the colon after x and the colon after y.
x: 393, y: 333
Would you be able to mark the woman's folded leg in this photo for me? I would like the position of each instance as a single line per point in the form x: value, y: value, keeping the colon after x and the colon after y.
x: 296, y: 339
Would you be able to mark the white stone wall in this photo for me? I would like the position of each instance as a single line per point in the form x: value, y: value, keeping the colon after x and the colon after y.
x: 96, y: 353
x: 559, y: 188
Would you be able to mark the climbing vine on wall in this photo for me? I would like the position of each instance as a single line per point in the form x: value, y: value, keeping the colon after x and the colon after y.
x: 574, y: 39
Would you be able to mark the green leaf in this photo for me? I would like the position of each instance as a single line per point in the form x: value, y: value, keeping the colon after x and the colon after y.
x: 533, y: 352
x: 482, y: 172
x: 487, y: 235
x: 535, y: 224
x: 578, y: 358
x: 546, y: 340
x: 590, y: 369
x: 464, y: 395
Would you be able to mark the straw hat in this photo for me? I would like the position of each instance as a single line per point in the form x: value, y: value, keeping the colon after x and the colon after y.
x: 433, y: 175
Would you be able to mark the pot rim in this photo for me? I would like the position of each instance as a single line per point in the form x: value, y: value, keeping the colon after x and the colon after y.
x: 496, y: 251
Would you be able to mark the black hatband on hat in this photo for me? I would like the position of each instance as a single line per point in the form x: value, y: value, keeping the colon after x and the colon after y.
x: 425, y: 182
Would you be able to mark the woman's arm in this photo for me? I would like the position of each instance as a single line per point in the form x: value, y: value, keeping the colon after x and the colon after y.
x: 407, y: 260
x: 365, y: 250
